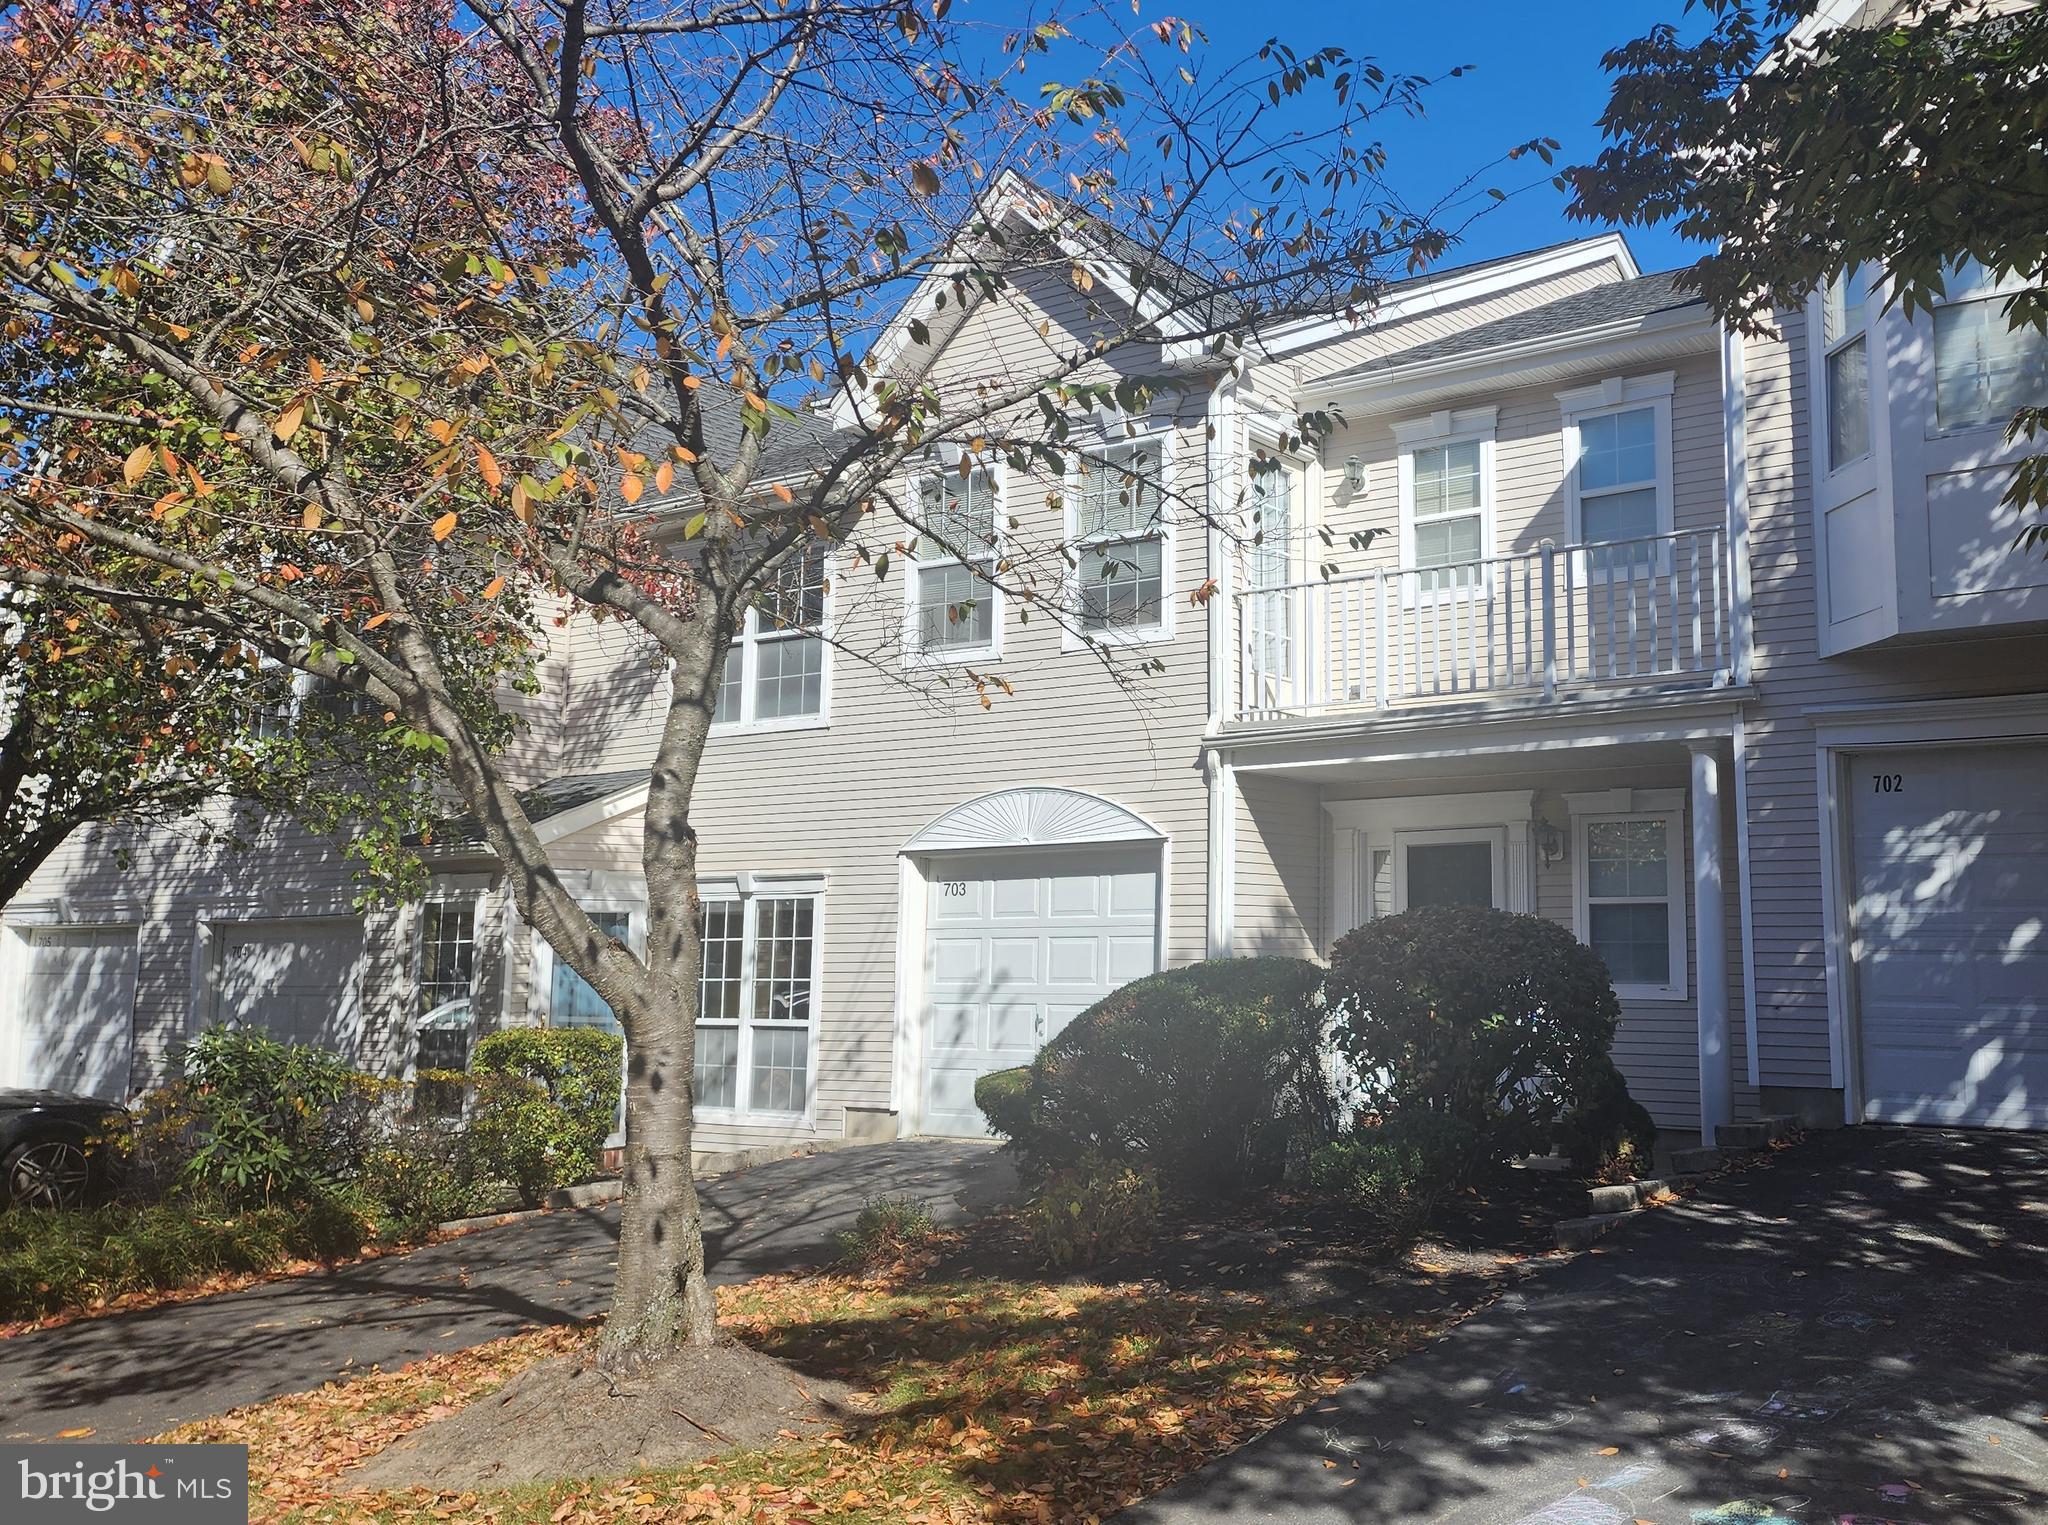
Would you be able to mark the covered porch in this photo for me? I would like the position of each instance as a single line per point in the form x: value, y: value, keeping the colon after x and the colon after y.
x: 1628, y: 835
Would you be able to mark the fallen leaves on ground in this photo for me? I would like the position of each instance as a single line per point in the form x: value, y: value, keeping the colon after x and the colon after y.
x: 987, y: 1399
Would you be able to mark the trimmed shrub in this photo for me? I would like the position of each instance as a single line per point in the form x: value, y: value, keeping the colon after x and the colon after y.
x: 421, y: 1175
x: 1208, y: 1074
x: 887, y: 1230
x: 576, y: 1068
x: 1092, y: 1211
x: 519, y: 1135
x: 1607, y: 1134
x: 1004, y: 1097
x: 1495, y: 1022
x: 52, y: 1261
x: 1397, y: 1171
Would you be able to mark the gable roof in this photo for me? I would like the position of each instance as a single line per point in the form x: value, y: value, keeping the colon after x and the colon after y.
x: 1646, y: 296
x: 793, y: 446
x: 545, y: 801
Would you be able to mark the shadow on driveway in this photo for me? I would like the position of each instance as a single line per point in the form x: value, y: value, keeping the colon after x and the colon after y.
x: 1856, y: 1332
x: 137, y: 1374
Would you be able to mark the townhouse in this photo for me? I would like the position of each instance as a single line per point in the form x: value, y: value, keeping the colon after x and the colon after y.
x: 1710, y: 648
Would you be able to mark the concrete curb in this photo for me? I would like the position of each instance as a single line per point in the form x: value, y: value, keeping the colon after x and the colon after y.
x: 1633, y: 1194
x: 1611, y: 1204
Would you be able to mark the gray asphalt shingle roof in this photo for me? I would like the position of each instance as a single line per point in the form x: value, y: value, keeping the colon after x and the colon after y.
x: 545, y: 800
x: 1618, y: 301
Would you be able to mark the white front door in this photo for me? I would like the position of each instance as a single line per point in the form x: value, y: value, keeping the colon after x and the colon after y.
x: 1949, y: 934
x: 296, y: 980
x: 76, y: 1019
x: 1019, y: 943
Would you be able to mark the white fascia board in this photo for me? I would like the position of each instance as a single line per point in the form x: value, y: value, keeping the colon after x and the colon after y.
x: 1609, y: 343
x: 583, y: 817
x: 1456, y: 287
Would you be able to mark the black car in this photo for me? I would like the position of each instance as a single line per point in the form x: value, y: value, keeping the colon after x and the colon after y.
x: 54, y: 1147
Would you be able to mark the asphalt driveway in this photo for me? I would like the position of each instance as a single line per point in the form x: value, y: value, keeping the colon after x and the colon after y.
x: 137, y: 1374
x: 1854, y: 1334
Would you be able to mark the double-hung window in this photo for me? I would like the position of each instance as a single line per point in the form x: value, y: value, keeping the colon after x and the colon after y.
x: 1446, y: 497
x: 754, y: 1027
x: 775, y: 668
x: 952, y: 593
x: 572, y: 1002
x: 1119, y: 534
x: 1618, y: 477
x: 1617, y: 451
x: 1631, y: 908
x: 1985, y: 370
x: 1450, y: 508
x: 447, y: 953
x: 447, y: 974
x: 1845, y: 344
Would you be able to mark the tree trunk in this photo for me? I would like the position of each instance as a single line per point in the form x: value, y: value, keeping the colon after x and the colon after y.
x: 661, y: 1298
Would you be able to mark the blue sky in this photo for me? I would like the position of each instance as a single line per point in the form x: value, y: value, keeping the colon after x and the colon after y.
x: 1535, y: 71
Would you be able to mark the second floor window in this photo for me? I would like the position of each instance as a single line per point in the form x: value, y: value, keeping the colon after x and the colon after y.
x: 1119, y: 533
x: 1448, y: 510
x: 1985, y: 370
x: 775, y: 667
x: 953, y: 600
x: 1618, y: 476
x: 1846, y: 343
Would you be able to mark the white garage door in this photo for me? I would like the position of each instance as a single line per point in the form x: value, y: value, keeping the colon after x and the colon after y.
x: 1020, y: 943
x: 77, y: 1016
x: 1950, y: 934
x: 296, y: 980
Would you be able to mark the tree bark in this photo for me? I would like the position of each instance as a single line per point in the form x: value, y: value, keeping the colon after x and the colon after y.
x: 661, y: 1298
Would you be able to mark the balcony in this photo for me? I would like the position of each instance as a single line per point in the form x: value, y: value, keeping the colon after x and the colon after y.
x: 1537, y: 626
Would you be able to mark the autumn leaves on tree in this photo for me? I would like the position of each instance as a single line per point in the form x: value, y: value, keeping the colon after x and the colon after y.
x: 364, y: 343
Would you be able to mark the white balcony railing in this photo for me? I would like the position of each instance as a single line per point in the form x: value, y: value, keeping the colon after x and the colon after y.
x: 1625, y: 613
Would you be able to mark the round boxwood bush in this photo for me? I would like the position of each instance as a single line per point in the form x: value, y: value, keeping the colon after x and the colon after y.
x: 1207, y: 1074
x: 1497, y: 1022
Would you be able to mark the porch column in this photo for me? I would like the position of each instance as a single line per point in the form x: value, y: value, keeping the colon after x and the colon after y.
x: 1710, y: 941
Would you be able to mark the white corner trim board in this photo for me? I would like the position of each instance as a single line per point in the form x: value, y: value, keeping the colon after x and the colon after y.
x: 1033, y: 817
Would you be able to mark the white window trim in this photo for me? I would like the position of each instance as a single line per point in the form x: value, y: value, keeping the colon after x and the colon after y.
x: 1073, y: 637
x: 1866, y: 330
x: 748, y: 641
x: 1446, y: 427
x: 1613, y: 396
x: 1611, y: 805
x: 914, y: 655
x: 747, y: 890
x: 455, y: 894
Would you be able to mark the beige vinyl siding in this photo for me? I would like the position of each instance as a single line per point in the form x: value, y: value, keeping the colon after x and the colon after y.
x: 902, y: 747
x: 1791, y: 677
x: 163, y: 881
x: 1282, y: 868
x: 1529, y: 468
